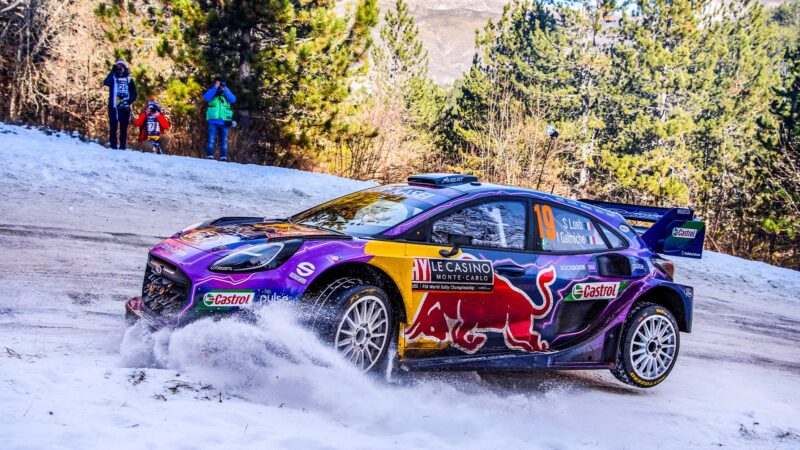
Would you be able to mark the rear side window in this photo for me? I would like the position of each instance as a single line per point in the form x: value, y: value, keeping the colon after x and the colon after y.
x: 613, y: 239
x: 562, y: 230
x: 491, y: 224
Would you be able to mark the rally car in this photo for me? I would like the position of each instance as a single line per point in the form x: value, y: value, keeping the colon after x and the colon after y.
x: 453, y: 273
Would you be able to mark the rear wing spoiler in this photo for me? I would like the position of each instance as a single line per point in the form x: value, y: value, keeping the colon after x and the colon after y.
x: 674, y: 231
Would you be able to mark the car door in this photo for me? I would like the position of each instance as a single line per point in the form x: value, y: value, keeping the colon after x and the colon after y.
x: 465, y: 307
x: 569, y: 243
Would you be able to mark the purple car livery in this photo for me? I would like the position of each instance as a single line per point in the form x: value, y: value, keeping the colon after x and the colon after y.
x: 453, y: 273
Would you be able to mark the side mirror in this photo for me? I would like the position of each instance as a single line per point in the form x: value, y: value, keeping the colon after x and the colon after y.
x: 457, y: 240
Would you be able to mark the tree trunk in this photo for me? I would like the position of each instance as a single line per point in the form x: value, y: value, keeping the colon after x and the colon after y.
x: 245, y: 55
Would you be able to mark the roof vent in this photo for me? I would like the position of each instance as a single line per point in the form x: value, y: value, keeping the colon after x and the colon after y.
x: 442, y: 179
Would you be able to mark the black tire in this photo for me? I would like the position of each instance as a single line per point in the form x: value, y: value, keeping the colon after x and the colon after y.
x: 625, y: 370
x: 326, y: 314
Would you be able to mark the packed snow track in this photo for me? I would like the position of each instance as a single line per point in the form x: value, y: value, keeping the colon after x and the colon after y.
x: 77, y: 221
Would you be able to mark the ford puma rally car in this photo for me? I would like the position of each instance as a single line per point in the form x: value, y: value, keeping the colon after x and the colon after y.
x: 454, y: 273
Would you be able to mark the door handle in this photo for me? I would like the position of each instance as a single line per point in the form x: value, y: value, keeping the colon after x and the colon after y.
x: 511, y: 270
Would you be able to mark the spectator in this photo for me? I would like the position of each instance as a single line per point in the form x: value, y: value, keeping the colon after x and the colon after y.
x: 121, y: 94
x: 152, y: 125
x: 219, y: 116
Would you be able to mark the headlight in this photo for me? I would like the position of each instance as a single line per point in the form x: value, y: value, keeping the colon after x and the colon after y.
x: 258, y: 257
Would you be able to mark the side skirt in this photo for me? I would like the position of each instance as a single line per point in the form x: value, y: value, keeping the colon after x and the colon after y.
x: 598, y: 352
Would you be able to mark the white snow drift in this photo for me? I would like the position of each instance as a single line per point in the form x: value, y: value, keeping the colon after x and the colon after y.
x: 76, y: 223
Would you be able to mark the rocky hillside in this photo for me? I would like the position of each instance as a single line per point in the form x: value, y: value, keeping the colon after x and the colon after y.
x: 448, y: 30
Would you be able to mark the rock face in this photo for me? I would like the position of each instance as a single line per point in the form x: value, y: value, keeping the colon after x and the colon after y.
x: 447, y: 28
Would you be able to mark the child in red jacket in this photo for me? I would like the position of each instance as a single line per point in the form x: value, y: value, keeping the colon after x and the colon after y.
x: 152, y: 125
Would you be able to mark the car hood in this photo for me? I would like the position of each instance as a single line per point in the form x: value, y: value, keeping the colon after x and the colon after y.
x: 227, y: 236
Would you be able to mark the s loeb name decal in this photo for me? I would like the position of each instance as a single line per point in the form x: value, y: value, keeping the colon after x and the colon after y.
x: 452, y: 275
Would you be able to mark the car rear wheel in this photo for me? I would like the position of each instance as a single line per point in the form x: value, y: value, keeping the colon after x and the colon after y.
x: 356, y: 318
x: 649, y: 347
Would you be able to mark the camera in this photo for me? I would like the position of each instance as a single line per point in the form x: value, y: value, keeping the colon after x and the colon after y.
x: 223, y: 84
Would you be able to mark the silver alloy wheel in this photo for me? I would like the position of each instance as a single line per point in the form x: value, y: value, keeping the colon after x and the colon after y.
x: 363, y: 332
x: 653, y: 347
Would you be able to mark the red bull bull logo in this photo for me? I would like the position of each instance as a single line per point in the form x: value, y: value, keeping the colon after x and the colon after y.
x: 463, y: 318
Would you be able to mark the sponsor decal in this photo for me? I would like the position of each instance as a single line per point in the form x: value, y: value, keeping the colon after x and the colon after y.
x: 172, y: 249
x: 452, y: 179
x: 305, y: 269
x: 591, y: 267
x: 334, y: 258
x: 463, y: 319
x: 696, y: 255
x: 452, y: 275
x: 269, y: 296
x: 689, y: 292
x: 684, y: 211
x: 407, y: 192
x: 572, y: 268
x: 596, y: 291
x: 201, y: 235
x: 624, y: 228
x: 298, y: 278
x: 684, y: 233
x: 637, y: 265
x: 228, y: 299
x: 274, y: 230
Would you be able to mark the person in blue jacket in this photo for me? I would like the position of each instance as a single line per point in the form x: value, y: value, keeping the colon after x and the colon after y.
x: 219, y: 116
x: 121, y: 94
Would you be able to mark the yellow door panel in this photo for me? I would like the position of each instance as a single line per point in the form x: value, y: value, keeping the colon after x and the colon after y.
x: 396, y: 259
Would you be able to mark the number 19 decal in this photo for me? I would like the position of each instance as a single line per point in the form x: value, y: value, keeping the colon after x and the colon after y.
x: 547, y: 223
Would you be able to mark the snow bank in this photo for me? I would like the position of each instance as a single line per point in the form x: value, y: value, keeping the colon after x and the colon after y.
x: 90, y: 187
x: 78, y: 220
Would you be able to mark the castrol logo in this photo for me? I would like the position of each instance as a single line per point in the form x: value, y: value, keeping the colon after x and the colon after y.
x: 684, y: 233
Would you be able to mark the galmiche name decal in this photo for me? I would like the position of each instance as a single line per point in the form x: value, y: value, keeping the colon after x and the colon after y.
x: 452, y: 275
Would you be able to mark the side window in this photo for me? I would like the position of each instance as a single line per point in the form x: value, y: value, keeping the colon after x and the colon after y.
x: 562, y: 230
x: 492, y: 224
x: 613, y: 239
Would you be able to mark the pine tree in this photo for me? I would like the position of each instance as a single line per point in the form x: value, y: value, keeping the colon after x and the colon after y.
x: 293, y: 64
x: 395, y: 110
x: 401, y: 68
x: 520, y: 79
x: 735, y: 184
x: 655, y: 75
x: 780, y: 135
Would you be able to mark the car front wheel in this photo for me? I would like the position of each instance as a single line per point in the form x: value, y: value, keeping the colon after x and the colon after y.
x: 356, y: 318
x: 649, y: 347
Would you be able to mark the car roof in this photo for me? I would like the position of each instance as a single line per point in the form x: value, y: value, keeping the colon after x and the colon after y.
x: 457, y: 185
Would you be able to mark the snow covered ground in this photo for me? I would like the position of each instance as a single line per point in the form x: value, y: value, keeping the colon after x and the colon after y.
x: 76, y: 221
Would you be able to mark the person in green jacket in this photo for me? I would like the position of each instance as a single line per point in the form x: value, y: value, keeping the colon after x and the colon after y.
x: 219, y: 116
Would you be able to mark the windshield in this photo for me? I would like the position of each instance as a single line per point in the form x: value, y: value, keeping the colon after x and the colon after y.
x: 372, y: 211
